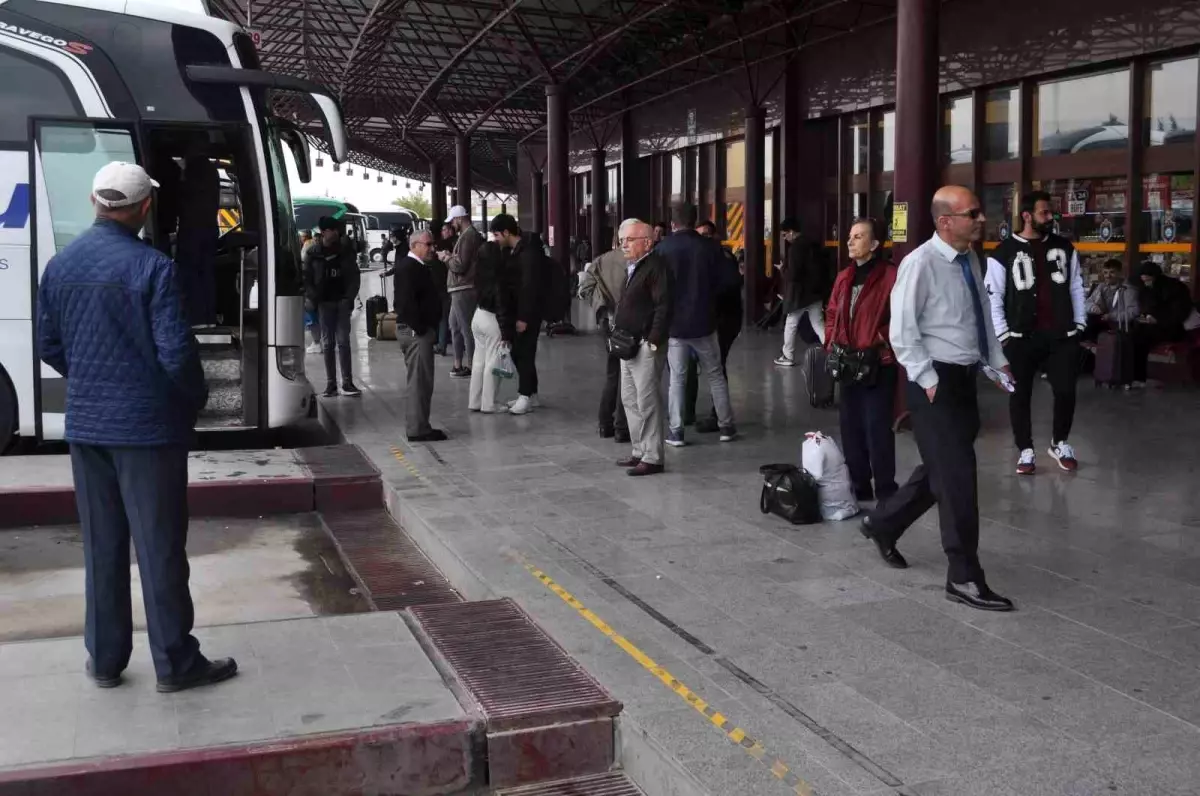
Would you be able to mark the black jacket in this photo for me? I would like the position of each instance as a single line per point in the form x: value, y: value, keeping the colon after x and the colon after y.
x: 699, y: 273
x: 418, y: 305
x: 494, y: 289
x: 1014, y: 283
x: 806, y: 277
x: 527, y: 266
x: 323, y: 265
x: 729, y: 300
x: 647, y: 304
x: 1169, y: 301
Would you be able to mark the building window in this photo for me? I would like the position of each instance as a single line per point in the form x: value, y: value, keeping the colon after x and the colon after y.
x: 999, y: 207
x: 677, y: 177
x: 957, y: 128
x: 1167, y: 221
x: 1082, y: 114
x: 884, y: 142
x: 1091, y: 214
x: 1171, y: 102
x: 859, y: 133
x: 1002, y: 124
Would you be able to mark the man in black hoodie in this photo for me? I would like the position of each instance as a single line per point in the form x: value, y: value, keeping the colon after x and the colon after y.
x: 527, y: 267
x: 331, y: 282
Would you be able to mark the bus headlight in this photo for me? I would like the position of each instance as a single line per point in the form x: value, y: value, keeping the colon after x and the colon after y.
x: 290, y: 360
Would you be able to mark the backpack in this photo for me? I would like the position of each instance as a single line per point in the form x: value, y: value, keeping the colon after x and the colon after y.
x: 790, y: 493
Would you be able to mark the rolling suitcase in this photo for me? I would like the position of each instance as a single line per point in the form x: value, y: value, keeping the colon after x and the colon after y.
x: 1114, y: 359
x: 376, y: 307
x: 817, y: 380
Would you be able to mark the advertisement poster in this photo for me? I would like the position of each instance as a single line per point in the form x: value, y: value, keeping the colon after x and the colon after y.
x: 900, y: 222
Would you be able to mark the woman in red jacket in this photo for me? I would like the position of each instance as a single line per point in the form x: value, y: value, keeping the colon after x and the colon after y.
x: 856, y: 335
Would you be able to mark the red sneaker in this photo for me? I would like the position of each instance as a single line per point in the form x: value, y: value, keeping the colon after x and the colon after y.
x: 1064, y: 454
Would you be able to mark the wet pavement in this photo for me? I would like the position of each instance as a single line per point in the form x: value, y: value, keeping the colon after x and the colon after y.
x: 822, y: 665
x: 241, y: 571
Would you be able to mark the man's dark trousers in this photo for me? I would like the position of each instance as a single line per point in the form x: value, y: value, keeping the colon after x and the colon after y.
x: 612, y: 410
x: 418, y: 362
x: 728, y: 330
x: 945, y: 430
x: 524, y: 354
x: 138, y: 492
x: 1060, y: 357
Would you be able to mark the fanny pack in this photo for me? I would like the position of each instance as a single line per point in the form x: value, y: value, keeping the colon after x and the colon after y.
x: 853, y: 366
x: 623, y: 344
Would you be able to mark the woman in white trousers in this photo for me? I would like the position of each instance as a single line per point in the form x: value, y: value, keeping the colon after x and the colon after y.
x: 485, y: 386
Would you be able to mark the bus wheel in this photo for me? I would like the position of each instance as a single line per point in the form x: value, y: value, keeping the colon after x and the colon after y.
x: 376, y: 255
x: 8, y: 412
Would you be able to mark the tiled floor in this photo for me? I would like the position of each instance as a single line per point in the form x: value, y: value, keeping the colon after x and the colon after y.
x: 296, y: 677
x: 1093, y: 687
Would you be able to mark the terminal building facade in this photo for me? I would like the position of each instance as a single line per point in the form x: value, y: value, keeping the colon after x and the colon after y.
x: 1094, y: 102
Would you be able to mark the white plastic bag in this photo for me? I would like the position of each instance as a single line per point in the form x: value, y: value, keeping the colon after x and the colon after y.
x: 504, y: 367
x: 822, y: 458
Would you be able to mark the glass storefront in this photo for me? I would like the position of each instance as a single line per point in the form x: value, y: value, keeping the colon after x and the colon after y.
x: 957, y: 130
x: 1002, y: 121
x: 1167, y: 222
x: 884, y: 142
x: 1091, y: 214
x: 860, y: 128
x: 1082, y: 114
x: 999, y: 207
x: 1171, y: 102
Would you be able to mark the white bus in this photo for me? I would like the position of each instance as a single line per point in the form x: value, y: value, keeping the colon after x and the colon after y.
x: 161, y: 83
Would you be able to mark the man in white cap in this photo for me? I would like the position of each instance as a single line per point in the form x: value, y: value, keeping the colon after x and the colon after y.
x: 111, y: 320
x: 460, y: 284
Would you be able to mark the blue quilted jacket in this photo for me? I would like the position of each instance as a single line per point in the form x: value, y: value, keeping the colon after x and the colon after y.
x: 111, y: 320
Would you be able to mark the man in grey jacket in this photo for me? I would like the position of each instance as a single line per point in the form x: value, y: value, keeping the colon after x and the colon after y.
x: 460, y: 284
x: 602, y: 282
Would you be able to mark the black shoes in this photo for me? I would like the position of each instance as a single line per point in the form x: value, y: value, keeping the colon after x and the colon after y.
x: 621, y: 437
x: 100, y: 680
x: 349, y: 389
x: 632, y: 461
x: 607, y: 432
x: 460, y: 373
x: 433, y: 435
x: 331, y: 391
x: 978, y: 595
x: 207, y: 673
x: 888, y: 552
x: 615, y: 434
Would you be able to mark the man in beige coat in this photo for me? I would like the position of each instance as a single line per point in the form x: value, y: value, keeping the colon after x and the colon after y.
x: 602, y: 282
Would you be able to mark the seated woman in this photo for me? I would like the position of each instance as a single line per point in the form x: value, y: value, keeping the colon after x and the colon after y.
x: 856, y: 334
x: 1164, y: 303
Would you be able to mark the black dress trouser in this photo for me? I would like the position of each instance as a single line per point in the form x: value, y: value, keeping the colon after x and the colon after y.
x: 868, y: 441
x: 524, y: 354
x: 612, y: 410
x: 945, y: 430
x: 139, y: 493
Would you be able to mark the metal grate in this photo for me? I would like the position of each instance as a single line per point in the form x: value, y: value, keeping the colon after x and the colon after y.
x: 613, y: 784
x: 515, y: 672
x: 390, y: 569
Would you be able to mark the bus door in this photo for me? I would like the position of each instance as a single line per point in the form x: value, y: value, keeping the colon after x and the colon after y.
x: 66, y: 156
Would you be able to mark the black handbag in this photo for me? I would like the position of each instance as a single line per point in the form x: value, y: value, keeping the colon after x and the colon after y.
x: 623, y: 344
x: 855, y: 367
x: 790, y: 493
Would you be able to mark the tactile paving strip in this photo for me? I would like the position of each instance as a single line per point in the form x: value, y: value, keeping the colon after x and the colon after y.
x: 614, y: 784
x: 390, y: 569
x: 516, y: 673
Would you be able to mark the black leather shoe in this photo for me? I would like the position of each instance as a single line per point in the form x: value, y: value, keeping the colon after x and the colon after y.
x: 207, y: 673
x: 888, y: 552
x: 978, y: 595
x: 644, y: 468
x: 433, y: 435
x: 632, y: 461
x: 607, y: 432
x: 102, y: 681
x: 621, y: 437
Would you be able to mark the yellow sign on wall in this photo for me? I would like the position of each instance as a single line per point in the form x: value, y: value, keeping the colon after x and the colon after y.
x: 900, y: 222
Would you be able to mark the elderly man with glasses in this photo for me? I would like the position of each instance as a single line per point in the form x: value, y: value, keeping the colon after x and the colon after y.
x: 942, y: 334
x: 418, y: 314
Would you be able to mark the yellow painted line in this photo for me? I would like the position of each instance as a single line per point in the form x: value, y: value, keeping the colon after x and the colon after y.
x: 412, y: 468
x: 736, y: 735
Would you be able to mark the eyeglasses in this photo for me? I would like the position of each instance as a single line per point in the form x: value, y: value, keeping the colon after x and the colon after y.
x: 633, y: 238
x: 973, y: 214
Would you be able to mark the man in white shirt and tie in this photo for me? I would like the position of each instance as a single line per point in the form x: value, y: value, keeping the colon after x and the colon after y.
x: 942, y: 333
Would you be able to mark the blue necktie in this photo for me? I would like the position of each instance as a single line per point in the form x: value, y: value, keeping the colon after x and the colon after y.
x: 964, y: 260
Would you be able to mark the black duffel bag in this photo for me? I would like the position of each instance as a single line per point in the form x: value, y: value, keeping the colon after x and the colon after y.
x: 790, y: 493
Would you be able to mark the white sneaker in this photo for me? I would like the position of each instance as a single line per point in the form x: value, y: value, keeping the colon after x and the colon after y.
x: 1064, y: 454
x: 784, y: 362
x: 1027, y: 464
x: 534, y: 403
x: 521, y: 406
x: 313, y: 348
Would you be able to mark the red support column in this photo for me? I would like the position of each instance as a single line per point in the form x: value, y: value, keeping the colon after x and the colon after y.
x: 916, y: 116
x: 753, y: 228
x: 600, y: 242
x: 437, y: 189
x: 559, y: 219
x: 462, y: 170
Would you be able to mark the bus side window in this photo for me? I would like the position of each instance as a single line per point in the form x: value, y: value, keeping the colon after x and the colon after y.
x: 71, y: 154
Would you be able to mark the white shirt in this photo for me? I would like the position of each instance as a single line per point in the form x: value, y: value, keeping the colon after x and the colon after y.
x: 932, y: 314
